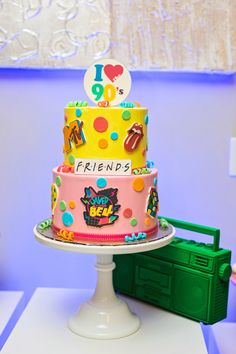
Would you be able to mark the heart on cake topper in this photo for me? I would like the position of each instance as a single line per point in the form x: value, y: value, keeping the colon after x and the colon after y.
x: 113, y: 71
x: 107, y: 81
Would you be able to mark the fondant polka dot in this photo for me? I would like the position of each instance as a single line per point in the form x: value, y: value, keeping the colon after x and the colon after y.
x: 67, y: 218
x: 100, y: 124
x: 103, y: 144
x: 147, y: 221
x: 114, y: 135
x: 66, y: 118
x: 138, y: 184
x: 72, y: 204
x: 127, y: 213
x: 62, y: 205
x: 101, y: 182
x: 78, y: 112
x: 146, y: 120
x: 155, y: 181
x: 133, y: 222
x: 58, y: 181
x: 126, y: 115
x: 71, y: 159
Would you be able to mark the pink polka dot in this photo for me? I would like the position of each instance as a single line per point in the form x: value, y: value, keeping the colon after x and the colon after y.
x: 100, y: 124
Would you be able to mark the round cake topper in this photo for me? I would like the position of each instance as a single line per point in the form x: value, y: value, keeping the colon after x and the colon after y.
x: 107, y: 82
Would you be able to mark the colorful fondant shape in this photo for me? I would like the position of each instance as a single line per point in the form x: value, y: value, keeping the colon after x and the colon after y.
x: 152, y: 203
x: 54, y: 196
x: 134, y: 137
x: 73, y: 133
x: 100, y: 207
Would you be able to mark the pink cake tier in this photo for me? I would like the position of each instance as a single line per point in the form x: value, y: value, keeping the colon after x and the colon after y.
x: 91, y: 208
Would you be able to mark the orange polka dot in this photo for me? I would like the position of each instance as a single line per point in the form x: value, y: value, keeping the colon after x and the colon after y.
x: 147, y: 221
x: 103, y: 143
x: 138, y: 184
x: 72, y: 204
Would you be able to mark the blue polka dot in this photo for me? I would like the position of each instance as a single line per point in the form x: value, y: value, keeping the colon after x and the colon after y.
x: 114, y: 135
x: 78, y: 112
x: 155, y: 181
x: 67, y: 218
x: 101, y: 182
x: 146, y: 120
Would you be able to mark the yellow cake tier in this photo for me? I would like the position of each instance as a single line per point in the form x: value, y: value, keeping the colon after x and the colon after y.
x: 105, y: 133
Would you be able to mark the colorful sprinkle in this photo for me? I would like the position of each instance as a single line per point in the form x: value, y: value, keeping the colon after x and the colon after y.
x: 67, y: 218
x: 62, y: 205
x: 126, y: 115
x: 127, y: 104
x: 138, y: 184
x: 147, y: 221
x: 71, y: 159
x: 127, y: 213
x: 100, y: 124
x: 101, y: 182
x: 78, y: 112
x: 103, y: 144
x: 146, y: 120
x: 58, y: 181
x: 155, y: 181
x: 72, y: 204
x: 133, y: 222
x: 114, y: 135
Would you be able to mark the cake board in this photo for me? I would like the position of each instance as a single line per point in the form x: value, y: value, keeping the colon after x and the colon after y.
x: 105, y: 316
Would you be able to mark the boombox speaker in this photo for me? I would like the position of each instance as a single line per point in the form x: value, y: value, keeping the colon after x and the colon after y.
x: 185, y: 277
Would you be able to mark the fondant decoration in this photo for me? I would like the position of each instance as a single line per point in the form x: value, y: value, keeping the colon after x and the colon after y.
x: 137, y: 104
x: 67, y: 218
x: 141, y: 171
x: 150, y: 164
x: 133, y: 222
x: 134, y: 137
x: 102, y: 167
x: 107, y: 80
x: 72, y: 159
x: 100, y: 124
x: 100, y: 207
x: 127, y: 104
x: 146, y: 120
x: 54, y: 196
x: 45, y: 224
x: 72, y: 204
x: 77, y: 104
x: 65, y: 169
x: 147, y: 221
x: 73, y: 133
x: 133, y: 237
x: 114, y: 149
x: 58, y: 181
x: 152, y: 203
x: 78, y: 112
x: 126, y: 115
x: 103, y: 104
x: 114, y: 136
x: 103, y: 143
x: 127, y: 213
x: 62, y: 205
x: 138, y: 184
x: 163, y: 223
x: 65, y: 118
x: 66, y: 235
x: 101, y: 182
x: 155, y: 181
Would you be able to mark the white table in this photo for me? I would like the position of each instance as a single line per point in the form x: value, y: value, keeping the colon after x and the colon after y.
x: 42, y: 329
x: 105, y: 316
x: 8, y: 303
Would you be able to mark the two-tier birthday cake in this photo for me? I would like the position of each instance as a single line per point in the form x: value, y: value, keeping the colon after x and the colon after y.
x: 105, y: 191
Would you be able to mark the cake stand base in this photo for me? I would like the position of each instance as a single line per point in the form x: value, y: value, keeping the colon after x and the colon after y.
x: 104, y: 316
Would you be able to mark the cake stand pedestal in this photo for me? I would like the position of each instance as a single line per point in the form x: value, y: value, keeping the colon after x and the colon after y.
x: 104, y: 316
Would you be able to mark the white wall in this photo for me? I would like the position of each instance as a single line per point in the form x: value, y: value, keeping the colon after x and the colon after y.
x: 192, y: 117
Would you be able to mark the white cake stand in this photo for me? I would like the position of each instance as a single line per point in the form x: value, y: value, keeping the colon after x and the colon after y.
x: 105, y: 316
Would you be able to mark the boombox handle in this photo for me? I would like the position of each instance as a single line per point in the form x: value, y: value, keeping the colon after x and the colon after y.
x: 197, y: 228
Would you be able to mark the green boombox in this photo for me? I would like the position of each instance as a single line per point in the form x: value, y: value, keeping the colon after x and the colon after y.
x: 186, y: 277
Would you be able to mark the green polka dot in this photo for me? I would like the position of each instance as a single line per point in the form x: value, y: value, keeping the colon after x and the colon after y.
x: 133, y: 222
x: 62, y: 205
x: 58, y: 181
x: 71, y: 159
x: 126, y: 115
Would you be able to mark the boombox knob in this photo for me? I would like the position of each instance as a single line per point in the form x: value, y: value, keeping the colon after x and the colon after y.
x: 225, y: 271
